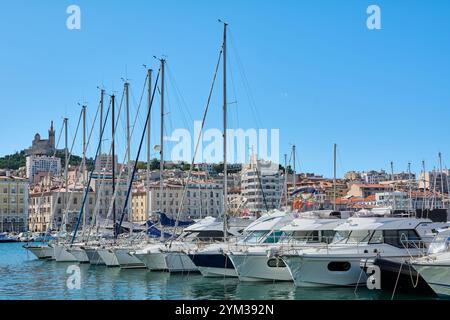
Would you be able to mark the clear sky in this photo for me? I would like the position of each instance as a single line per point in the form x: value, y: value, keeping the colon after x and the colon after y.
x: 309, y: 68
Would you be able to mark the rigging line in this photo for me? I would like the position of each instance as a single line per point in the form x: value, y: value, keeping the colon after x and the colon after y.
x: 114, y: 196
x: 139, y: 118
x: 168, y: 113
x: 246, y: 83
x: 180, y: 208
x: 180, y: 98
x: 100, y: 189
x: 86, y: 192
x: 136, y: 162
x: 233, y: 86
x: 67, y: 168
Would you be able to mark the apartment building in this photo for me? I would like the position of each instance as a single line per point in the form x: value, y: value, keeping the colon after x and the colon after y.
x: 13, y: 204
x: 261, y: 185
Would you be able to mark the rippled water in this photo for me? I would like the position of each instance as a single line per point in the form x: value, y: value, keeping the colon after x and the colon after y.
x: 22, y: 276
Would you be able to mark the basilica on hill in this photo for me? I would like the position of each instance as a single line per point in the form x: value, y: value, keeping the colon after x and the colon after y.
x: 43, y: 146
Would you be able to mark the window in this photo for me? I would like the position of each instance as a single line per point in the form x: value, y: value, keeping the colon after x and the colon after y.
x: 276, y: 263
x: 377, y: 237
x: 401, y: 238
x: 274, y: 237
x: 339, y: 266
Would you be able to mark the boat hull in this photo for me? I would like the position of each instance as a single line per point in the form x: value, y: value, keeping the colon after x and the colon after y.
x: 213, y: 265
x: 155, y: 261
x: 259, y: 268
x: 408, y: 281
x: 436, y: 276
x: 179, y: 262
x: 108, y: 257
x: 63, y: 255
x: 126, y: 260
x: 315, y: 271
x: 40, y: 252
x: 94, y: 257
x: 79, y: 254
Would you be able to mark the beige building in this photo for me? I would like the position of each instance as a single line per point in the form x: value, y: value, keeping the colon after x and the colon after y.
x: 139, y: 206
x: 201, y: 199
x: 13, y: 204
x: 47, y: 209
x: 365, y: 190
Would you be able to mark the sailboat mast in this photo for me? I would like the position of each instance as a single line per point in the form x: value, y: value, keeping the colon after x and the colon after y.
x: 161, y: 159
x: 83, y: 168
x: 294, y: 178
x: 410, y: 187
x: 442, y: 180
x: 127, y: 105
x: 424, y: 205
x: 149, y: 103
x: 334, y: 176
x: 225, y: 169
x: 102, y: 96
x: 113, y: 154
x: 66, y: 168
x: 285, y: 182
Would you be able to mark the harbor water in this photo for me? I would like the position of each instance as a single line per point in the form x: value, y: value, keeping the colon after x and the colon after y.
x: 23, y: 277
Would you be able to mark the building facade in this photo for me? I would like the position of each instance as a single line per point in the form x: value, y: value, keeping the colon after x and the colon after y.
x: 54, y: 209
x: 37, y: 165
x: 13, y: 204
x: 261, y: 186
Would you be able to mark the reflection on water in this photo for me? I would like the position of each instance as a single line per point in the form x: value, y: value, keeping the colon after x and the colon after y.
x: 24, y: 277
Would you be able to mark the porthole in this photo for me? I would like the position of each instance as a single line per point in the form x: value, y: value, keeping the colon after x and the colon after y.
x: 339, y: 266
x: 276, y: 263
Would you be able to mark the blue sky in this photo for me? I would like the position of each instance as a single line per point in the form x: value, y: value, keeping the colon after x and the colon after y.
x: 313, y: 70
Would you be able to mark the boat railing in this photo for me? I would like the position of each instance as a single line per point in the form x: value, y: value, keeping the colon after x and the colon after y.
x: 418, y: 245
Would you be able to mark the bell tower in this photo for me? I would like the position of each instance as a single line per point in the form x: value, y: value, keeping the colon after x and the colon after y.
x: 51, y: 137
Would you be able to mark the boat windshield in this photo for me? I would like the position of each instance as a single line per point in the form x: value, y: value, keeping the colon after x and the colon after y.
x: 256, y: 236
x: 357, y: 236
x: 441, y: 243
x: 274, y: 237
x: 305, y: 236
x: 354, y: 236
x: 340, y: 236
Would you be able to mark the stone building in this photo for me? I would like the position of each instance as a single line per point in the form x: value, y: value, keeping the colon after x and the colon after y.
x: 43, y: 146
x: 13, y: 204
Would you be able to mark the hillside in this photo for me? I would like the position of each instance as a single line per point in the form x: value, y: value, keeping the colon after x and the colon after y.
x: 17, y: 160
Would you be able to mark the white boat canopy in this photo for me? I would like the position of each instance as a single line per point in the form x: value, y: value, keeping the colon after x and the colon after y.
x: 381, y: 224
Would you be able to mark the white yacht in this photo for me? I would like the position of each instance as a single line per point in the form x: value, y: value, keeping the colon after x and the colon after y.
x: 213, y: 261
x: 41, y: 251
x: 338, y: 264
x: 62, y: 253
x: 434, y: 268
x: 261, y: 261
x: 171, y: 255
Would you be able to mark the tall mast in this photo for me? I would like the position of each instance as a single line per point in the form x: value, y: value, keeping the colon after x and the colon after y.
x: 424, y: 186
x: 83, y: 168
x: 393, y: 186
x: 113, y: 153
x: 410, y: 187
x: 285, y: 182
x: 294, y: 178
x: 334, y: 176
x: 127, y: 106
x: 66, y: 168
x: 149, y: 103
x: 161, y: 159
x: 442, y: 180
x: 102, y: 95
x: 225, y: 167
